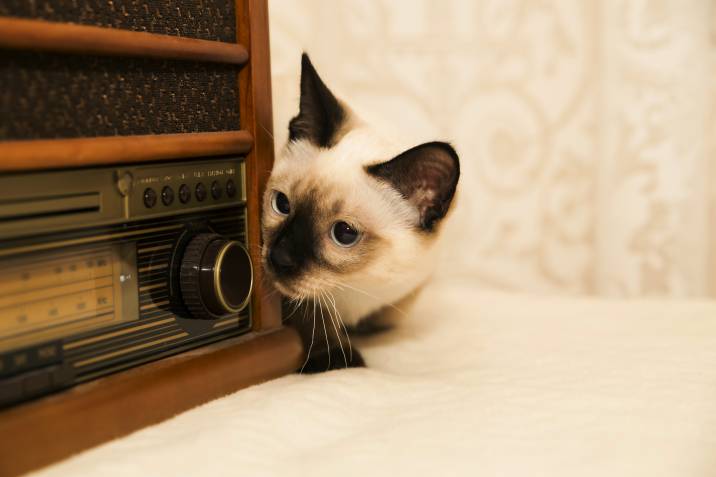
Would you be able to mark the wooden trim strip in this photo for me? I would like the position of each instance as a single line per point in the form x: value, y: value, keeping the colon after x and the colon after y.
x: 85, y: 39
x: 256, y: 117
x: 62, y: 153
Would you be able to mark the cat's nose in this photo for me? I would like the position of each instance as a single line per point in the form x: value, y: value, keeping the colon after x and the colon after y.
x: 281, y: 260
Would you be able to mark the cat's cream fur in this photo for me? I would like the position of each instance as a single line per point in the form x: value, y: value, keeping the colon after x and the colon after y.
x: 403, y: 258
x: 351, y: 221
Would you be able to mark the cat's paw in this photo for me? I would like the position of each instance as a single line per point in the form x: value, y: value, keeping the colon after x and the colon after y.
x: 372, y: 325
x: 334, y: 359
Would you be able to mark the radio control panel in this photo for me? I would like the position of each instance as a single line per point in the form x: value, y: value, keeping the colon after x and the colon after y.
x: 51, y: 201
x: 160, y: 190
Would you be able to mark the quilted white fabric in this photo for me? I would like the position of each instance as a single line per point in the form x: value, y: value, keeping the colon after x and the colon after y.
x: 471, y: 384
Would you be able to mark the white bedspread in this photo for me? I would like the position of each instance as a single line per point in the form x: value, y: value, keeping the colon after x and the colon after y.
x: 472, y: 384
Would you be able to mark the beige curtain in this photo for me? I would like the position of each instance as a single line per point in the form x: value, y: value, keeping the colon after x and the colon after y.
x: 587, y: 129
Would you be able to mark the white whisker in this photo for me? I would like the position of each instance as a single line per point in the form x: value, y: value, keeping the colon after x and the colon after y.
x: 350, y: 287
x: 333, y: 322
x: 340, y: 320
x: 325, y: 334
x: 313, y: 333
x: 297, y: 305
x: 271, y: 293
x: 265, y: 130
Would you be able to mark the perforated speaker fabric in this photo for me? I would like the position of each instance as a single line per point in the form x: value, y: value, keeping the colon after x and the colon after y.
x: 66, y: 96
x: 204, y: 19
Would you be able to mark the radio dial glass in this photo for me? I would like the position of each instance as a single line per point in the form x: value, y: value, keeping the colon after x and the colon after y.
x: 65, y: 292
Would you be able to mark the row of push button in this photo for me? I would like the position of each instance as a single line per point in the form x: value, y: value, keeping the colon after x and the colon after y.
x: 19, y: 361
x: 34, y: 383
x: 35, y: 371
x: 200, y: 192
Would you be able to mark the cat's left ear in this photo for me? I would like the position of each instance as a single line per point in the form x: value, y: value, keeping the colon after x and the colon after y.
x: 426, y: 176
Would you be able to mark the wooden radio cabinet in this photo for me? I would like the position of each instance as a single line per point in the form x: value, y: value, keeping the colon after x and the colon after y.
x: 119, y: 84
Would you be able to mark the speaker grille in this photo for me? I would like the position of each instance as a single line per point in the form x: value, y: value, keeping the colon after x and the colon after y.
x: 66, y: 96
x: 205, y: 19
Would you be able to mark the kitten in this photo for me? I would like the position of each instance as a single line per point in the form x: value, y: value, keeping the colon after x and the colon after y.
x: 349, y: 221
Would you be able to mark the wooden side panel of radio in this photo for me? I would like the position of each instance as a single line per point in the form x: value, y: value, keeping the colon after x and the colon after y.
x: 203, y: 92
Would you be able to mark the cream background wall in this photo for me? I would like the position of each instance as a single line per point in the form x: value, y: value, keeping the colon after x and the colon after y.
x: 586, y: 129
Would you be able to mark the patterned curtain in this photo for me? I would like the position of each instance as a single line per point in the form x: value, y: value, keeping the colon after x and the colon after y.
x: 587, y: 129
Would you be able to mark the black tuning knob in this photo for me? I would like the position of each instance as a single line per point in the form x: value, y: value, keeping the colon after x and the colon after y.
x: 215, y: 277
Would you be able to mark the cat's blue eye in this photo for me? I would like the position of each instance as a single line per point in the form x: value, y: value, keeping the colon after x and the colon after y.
x: 344, y: 234
x: 280, y: 203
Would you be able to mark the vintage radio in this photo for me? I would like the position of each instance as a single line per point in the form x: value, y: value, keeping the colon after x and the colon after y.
x: 107, y: 268
x: 135, y: 143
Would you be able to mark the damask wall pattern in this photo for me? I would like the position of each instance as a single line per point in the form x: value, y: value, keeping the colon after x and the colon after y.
x: 586, y: 129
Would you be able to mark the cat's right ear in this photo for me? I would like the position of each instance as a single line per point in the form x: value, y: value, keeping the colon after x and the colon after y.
x: 320, y: 115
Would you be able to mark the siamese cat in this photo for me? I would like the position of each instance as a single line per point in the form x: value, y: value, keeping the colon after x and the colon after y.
x: 349, y: 221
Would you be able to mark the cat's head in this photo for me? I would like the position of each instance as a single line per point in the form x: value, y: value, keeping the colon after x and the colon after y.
x: 343, y: 206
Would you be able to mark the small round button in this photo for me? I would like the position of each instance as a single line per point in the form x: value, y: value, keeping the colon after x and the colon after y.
x: 200, y: 192
x: 150, y: 198
x: 216, y: 190
x: 230, y: 188
x: 184, y: 193
x: 167, y: 196
x: 124, y: 184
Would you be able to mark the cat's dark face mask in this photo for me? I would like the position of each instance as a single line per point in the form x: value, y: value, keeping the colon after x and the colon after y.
x: 292, y: 246
x: 311, y: 241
